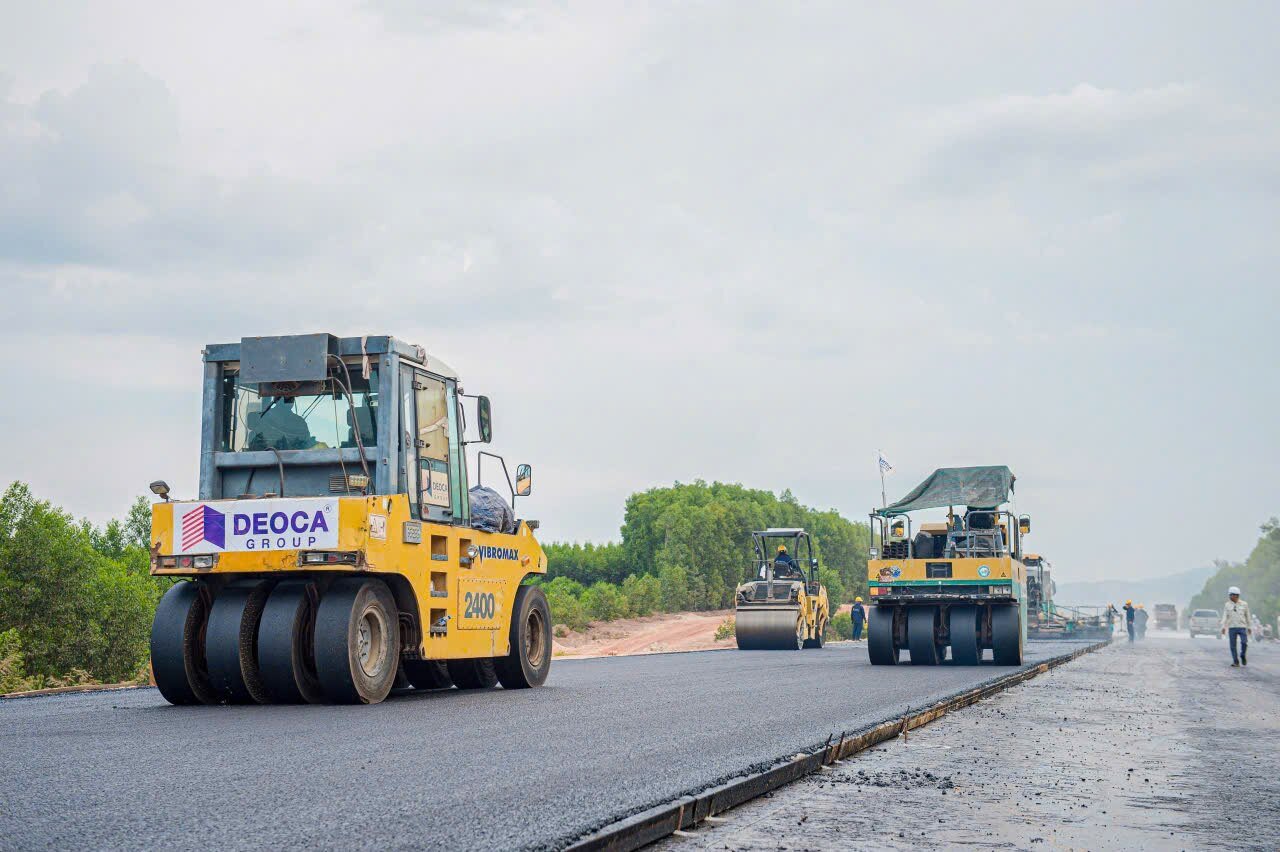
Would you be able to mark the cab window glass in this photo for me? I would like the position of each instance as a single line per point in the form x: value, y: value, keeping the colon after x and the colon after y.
x: 298, y: 415
x: 433, y: 442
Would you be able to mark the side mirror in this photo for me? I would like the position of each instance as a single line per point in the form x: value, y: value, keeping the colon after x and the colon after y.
x: 486, y: 419
x: 1024, y: 524
x: 813, y: 562
x: 524, y: 480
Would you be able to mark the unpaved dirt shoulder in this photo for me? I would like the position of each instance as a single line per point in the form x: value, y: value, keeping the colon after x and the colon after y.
x: 1157, y: 746
x: 653, y: 634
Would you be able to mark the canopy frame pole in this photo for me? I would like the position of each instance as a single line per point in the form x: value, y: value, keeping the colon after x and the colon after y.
x: 879, y: 457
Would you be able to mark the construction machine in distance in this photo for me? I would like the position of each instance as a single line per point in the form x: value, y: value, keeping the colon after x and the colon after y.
x: 335, y: 548
x: 1047, y: 619
x: 959, y: 584
x: 785, y: 607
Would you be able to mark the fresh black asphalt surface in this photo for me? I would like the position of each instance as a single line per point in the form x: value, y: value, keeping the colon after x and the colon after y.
x: 449, y: 770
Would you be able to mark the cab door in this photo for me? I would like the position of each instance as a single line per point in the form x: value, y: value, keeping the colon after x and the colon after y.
x: 428, y: 450
x: 436, y: 479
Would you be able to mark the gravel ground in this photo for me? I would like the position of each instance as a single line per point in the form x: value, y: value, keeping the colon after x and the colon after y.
x: 451, y: 770
x: 1160, y: 745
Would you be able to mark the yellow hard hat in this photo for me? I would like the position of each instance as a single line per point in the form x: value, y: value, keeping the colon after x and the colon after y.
x: 857, y: 600
x: 1128, y: 603
x: 782, y: 548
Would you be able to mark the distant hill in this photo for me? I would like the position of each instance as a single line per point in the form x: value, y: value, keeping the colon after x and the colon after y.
x: 1175, y: 589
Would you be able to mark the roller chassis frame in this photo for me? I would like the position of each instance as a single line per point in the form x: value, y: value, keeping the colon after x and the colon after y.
x: 995, y: 614
x: 934, y: 597
x: 366, y: 574
x: 900, y: 603
x: 795, y: 610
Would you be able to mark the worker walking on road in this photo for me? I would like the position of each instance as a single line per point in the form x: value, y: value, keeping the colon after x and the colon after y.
x: 1235, y: 623
x: 1140, y: 622
x: 1129, y: 613
x: 859, y: 616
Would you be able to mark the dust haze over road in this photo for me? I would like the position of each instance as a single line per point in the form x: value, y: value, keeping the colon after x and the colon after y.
x: 458, y: 770
x: 1159, y: 745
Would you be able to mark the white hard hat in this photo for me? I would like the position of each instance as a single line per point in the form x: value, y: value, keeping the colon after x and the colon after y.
x: 1234, y: 590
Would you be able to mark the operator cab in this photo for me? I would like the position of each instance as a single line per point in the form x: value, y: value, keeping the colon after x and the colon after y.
x: 972, y: 532
x: 785, y: 555
x: 318, y: 415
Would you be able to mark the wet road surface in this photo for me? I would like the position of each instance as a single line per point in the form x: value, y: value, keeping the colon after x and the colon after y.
x: 458, y: 770
x: 1160, y: 745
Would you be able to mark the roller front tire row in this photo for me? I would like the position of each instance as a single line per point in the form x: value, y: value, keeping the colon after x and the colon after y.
x: 264, y: 642
x: 919, y: 629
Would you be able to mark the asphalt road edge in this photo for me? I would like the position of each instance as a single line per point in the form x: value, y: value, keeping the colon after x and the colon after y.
x: 84, y: 687
x: 686, y: 812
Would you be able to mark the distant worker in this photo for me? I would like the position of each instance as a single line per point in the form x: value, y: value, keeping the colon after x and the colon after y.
x: 784, y: 567
x: 1140, y: 622
x: 1129, y: 612
x: 1235, y: 624
x: 859, y: 616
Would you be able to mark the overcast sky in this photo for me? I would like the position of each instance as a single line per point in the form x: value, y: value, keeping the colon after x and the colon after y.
x: 750, y: 242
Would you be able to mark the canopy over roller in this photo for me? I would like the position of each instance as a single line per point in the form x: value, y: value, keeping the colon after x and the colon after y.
x: 976, y: 487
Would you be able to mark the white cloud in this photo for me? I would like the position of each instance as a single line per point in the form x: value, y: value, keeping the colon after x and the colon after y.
x: 671, y: 242
x: 1103, y: 137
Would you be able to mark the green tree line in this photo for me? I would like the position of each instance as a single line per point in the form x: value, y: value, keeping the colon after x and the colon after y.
x: 1258, y: 578
x: 688, y: 546
x: 76, y: 601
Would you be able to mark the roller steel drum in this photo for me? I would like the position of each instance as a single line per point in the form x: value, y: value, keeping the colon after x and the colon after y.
x: 769, y: 629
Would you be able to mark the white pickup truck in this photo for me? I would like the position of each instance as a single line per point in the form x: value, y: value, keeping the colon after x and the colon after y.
x: 1206, y: 622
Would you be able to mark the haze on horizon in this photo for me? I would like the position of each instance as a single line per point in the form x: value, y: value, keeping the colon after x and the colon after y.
x: 739, y: 242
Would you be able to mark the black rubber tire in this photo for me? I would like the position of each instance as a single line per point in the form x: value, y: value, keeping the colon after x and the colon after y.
x: 231, y: 642
x: 427, y: 674
x: 286, y: 652
x: 473, y: 674
x: 177, y: 645
x: 962, y: 623
x: 1006, y: 635
x: 880, y: 646
x: 529, y: 661
x: 819, y: 636
x: 922, y: 636
x: 350, y: 607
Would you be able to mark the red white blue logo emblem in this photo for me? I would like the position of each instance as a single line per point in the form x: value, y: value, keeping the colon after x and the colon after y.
x: 204, y: 523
